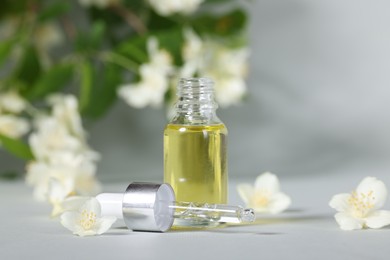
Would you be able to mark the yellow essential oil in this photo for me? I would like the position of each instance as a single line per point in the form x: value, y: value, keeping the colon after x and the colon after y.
x: 195, y: 162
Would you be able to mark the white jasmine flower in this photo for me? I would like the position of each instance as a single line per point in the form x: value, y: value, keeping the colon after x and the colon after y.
x: 233, y: 62
x: 13, y: 126
x: 265, y: 196
x: 159, y: 58
x: 87, y: 220
x: 51, y: 135
x: 38, y: 175
x: 72, y: 203
x: 228, y: 68
x: 12, y: 102
x: 50, y: 180
x: 169, y: 7
x: 150, y: 90
x: 66, y: 111
x: 72, y: 174
x: 98, y: 3
x: 359, y: 209
x: 64, y: 164
x: 193, y: 50
x: 136, y: 95
x: 193, y: 46
x: 229, y: 90
x: 85, y: 179
x: 57, y: 192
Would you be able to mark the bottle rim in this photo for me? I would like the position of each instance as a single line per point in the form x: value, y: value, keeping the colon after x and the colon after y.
x: 195, y: 85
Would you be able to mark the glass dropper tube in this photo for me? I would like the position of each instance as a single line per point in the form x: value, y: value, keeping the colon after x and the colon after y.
x: 152, y: 207
x: 198, y: 213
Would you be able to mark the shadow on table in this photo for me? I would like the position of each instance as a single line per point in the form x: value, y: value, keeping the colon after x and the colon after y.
x: 289, y: 216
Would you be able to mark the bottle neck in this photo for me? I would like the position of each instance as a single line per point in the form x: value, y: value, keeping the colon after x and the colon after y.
x: 196, y: 104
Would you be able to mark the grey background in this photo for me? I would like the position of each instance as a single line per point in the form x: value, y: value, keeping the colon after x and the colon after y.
x: 318, y: 98
x: 317, y: 115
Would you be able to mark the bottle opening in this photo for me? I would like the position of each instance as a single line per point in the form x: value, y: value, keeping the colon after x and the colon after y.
x: 195, y: 86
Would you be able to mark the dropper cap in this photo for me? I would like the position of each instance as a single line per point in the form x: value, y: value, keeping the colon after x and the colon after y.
x: 152, y: 207
x: 144, y: 206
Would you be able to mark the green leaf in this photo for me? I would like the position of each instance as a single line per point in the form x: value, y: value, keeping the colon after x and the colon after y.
x: 104, y: 81
x: 5, y: 50
x: 28, y: 69
x: 86, y: 85
x: 171, y: 40
x: 157, y: 22
x: 52, y: 80
x: 225, y: 25
x: 10, y: 175
x: 134, y: 49
x: 16, y: 147
x: 87, y: 41
x: 97, y: 34
x: 108, y: 89
x: 53, y: 11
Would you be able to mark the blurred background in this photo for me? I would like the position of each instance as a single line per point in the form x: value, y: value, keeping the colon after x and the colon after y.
x: 318, y: 99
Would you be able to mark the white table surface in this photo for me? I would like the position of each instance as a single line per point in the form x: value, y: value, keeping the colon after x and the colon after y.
x: 306, y: 231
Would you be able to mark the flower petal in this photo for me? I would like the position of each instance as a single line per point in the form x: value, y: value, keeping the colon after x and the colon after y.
x: 82, y: 232
x: 246, y: 192
x: 376, y: 187
x: 340, y: 202
x: 73, y: 203
x: 378, y: 219
x: 347, y: 222
x: 267, y: 182
x: 70, y: 220
x: 91, y: 205
x: 279, y: 203
x: 104, y: 224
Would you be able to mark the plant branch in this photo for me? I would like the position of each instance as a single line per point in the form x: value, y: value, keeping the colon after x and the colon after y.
x: 119, y: 60
x: 69, y: 28
x: 131, y: 18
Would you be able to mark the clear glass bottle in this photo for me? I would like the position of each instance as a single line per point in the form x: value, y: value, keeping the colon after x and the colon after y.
x: 195, y: 156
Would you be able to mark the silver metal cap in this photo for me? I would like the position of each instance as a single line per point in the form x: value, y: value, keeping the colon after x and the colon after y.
x: 146, y: 206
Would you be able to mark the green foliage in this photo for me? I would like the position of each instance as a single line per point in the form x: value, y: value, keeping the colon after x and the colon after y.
x: 53, y: 11
x: 107, y: 46
x: 224, y: 25
x: 97, y: 96
x: 101, y: 48
x: 86, y: 86
x: 28, y: 69
x: 52, y: 80
x: 172, y: 40
x: 134, y: 49
x: 5, y: 50
x: 16, y: 147
x: 10, y: 175
x: 12, y: 7
x: 90, y: 40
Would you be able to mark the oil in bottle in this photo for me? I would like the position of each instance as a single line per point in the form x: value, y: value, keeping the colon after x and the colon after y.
x: 195, y: 153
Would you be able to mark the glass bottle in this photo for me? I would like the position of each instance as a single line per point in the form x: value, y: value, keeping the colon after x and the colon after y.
x: 195, y: 159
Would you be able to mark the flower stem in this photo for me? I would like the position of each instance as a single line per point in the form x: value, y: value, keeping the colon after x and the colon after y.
x: 119, y: 60
x: 131, y: 18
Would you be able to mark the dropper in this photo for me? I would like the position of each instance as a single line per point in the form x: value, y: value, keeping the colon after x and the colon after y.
x: 152, y: 207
